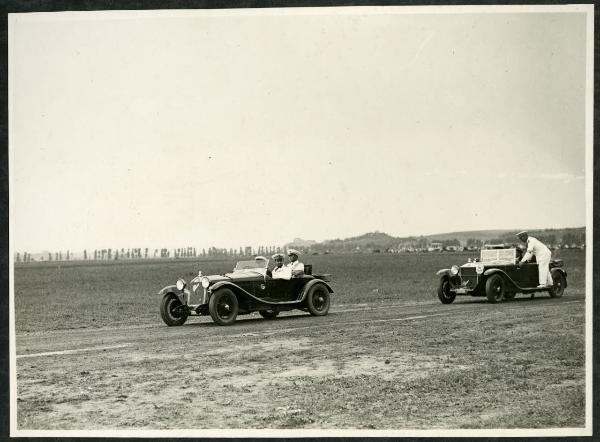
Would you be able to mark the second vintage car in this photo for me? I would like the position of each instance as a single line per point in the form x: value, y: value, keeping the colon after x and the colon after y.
x: 248, y: 288
x: 498, y: 275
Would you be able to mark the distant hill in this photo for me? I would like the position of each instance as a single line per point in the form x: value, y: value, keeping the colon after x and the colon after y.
x: 576, y: 234
x: 381, y: 241
x: 299, y: 243
x: 371, y: 240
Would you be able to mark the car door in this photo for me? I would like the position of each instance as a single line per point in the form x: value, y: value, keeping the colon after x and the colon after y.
x: 284, y: 290
x: 524, y: 275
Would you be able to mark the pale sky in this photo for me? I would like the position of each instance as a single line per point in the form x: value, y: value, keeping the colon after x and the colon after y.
x: 226, y: 129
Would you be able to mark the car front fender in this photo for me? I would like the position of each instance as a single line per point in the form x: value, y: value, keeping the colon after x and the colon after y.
x: 507, y: 278
x: 455, y: 280
x: 173, y: 289
x: 235, y: 288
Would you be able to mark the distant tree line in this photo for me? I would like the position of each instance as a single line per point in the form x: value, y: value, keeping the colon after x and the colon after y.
x: 58, y: 256
x: 371, y: 243
x: 116, y: 254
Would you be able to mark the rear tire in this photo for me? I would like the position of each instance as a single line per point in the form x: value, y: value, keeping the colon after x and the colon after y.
x: 318, y: 300
x: 223, y: 307
x: 494, y: 288
x: 558, y: 288
x: 170, y: 310
x: 444, y: 293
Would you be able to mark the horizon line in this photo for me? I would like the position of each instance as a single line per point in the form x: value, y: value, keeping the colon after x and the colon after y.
x: 172, y: 248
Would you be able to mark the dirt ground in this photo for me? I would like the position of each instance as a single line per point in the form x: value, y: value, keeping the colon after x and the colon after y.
x: 405, y: 365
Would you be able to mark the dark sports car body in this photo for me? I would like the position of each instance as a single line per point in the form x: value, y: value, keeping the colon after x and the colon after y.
x: 498, y: 275
x: 249, y: 288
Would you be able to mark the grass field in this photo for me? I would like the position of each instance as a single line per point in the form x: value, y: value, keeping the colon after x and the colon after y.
x: 389, y: 355
x: 50, y: 296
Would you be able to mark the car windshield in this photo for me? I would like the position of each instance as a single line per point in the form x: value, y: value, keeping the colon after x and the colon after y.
x: 257, y: 265
x: 498, y: 255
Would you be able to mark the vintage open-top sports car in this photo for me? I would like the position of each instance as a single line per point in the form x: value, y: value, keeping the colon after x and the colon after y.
x: 249, y: 288
x: 498, y: 275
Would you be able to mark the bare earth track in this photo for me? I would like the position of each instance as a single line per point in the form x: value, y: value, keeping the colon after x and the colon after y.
x: 405, y: 364
x: 300, y: 371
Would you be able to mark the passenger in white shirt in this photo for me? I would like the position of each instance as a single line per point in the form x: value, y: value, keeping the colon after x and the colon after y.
x: 542, y: 255
x: 279, y: 271
x: 294, y: 265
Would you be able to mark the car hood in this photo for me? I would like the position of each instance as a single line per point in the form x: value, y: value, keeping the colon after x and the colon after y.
x: 470, y: 264
x: 228, y: 277
x: 217, y: 278
x: 487, y: 264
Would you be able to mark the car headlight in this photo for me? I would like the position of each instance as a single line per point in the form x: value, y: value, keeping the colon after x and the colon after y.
x: 205, y: 282
x: 180, y: 284
x: 454, y: 270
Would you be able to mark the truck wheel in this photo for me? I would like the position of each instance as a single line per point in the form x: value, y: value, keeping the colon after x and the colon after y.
x: 269, y: 314
x: 223, y: 307
x: 318, y: 300
x: 559, y: 285
x: 444, y: 293
x: 494, y: 288
x: 172, y: 310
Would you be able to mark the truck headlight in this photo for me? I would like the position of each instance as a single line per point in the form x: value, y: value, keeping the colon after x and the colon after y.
x: 454, y: 270
x: 180, y: 284
x: 205, y: 282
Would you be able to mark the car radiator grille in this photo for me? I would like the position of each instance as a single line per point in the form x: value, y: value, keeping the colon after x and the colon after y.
x: 469, y: 277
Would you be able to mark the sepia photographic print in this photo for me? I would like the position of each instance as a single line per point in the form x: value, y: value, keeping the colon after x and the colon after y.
x: 297, y: 222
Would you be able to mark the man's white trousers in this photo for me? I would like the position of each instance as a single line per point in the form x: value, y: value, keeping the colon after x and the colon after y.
x: 543, y: 260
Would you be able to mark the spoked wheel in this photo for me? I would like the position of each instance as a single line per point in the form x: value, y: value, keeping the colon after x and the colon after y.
x: 223, y: 307
x: 444, y: 293
x: 318, y: 300
x: 172, y: 311
x: 494, y: 288
x: 558, y: 288
x: 269, y: 314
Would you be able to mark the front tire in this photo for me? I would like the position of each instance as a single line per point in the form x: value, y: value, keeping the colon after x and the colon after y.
x: 172, y: 310
x: 494, y: 288
x: 558, y: 288
x: 318, y: 300
x: 223, y: 307
x: 444, y: 293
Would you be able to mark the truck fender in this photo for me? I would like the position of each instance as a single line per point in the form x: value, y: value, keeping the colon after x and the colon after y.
x: 443, y: 272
